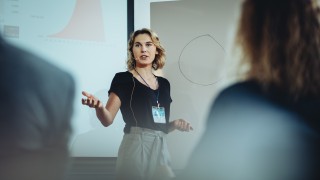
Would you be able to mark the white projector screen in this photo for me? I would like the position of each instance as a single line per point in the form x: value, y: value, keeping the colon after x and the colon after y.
x: 88, y: 38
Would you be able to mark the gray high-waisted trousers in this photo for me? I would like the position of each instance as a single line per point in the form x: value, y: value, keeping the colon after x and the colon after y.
x: 143, y: 155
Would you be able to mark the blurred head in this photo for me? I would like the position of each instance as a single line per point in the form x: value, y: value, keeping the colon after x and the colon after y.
x: 159, y: 59
x: 280, y: 41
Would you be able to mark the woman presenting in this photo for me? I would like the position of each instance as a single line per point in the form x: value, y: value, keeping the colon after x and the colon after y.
x: 144, y: 101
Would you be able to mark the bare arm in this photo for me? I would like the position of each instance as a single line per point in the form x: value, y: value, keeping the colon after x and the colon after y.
x: 105, y: 114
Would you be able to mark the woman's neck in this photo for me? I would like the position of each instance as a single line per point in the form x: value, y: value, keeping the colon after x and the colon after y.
x: 144, y: 72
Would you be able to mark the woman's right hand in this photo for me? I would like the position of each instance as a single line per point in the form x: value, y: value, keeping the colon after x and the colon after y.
x: 91, y: 101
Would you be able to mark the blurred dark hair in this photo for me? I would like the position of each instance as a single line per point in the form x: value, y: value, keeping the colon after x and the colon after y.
x: 280, y: 41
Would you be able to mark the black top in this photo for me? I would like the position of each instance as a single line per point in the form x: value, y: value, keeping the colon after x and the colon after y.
x: 253, y: 134
x: 142, y: 98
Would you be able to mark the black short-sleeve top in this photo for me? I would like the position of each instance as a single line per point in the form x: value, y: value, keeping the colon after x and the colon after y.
x: 137, y: 100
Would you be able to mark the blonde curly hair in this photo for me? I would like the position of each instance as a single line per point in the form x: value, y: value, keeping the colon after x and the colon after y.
x: 159, y: 59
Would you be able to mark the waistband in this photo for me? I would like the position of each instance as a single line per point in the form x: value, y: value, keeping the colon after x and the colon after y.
x: 140, y: 130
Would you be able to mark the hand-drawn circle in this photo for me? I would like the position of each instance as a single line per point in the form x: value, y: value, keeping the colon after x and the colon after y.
x: 201, y: 60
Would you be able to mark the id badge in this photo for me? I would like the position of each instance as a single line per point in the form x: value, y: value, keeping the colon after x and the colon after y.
x: 159, y: 115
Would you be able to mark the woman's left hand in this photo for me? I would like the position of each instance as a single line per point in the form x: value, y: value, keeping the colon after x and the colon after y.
x: 181, y: 125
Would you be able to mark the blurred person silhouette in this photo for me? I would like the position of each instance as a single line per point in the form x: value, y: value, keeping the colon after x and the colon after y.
x: 266, y: 125
x: 35, y: 110
x: 144, y: 101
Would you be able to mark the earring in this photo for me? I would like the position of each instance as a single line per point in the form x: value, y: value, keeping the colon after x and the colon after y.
x: 134, y: 64
x: 154, y: 65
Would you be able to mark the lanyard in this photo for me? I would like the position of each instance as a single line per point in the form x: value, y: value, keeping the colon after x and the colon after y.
x: 157, y: 97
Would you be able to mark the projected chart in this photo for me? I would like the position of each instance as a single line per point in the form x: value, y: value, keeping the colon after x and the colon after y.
x: 87, y: 38
x: 80, y: 20
x: 86, y: 22
x: 11, y: 8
